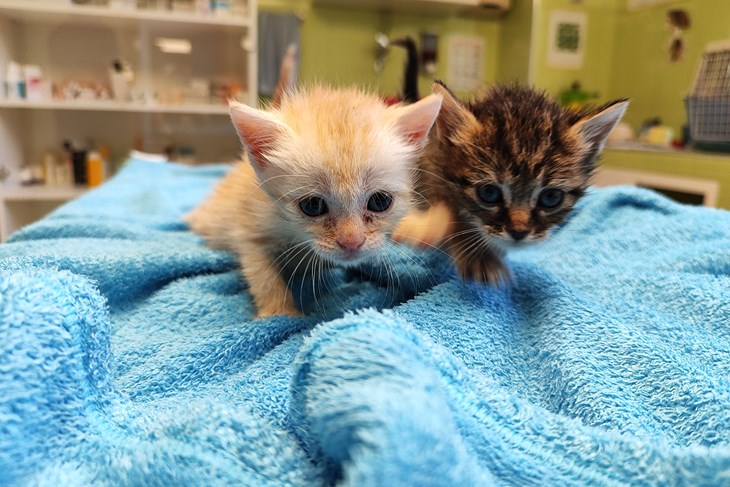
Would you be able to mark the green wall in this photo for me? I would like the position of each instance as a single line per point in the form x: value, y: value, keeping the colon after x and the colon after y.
x: 626, y: 51
x: 626, y: 54
x: 641, y: 69
x: 594, y: 74
x: 515, y: 35
x: 338, y: 44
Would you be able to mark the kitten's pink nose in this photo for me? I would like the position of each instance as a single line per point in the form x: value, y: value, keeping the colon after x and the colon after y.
x: 351, y: 242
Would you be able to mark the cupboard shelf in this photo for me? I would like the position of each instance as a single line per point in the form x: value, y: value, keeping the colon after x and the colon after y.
x: 40, y: 193
x: 116, y: 106
x: 77, y: 43
x: 50, y: 12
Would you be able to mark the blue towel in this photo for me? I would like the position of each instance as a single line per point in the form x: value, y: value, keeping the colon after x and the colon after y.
x: 128, y: 355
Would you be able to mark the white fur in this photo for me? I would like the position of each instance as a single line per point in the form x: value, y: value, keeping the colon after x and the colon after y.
x: 340, y: 145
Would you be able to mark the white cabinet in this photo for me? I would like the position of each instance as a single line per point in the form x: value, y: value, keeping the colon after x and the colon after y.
x: 169, y: 103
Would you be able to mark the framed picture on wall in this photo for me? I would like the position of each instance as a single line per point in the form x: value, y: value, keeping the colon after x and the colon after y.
x: 566, y: 39
x: 465, y: 67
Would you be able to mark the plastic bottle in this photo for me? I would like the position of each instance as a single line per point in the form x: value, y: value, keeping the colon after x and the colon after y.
x: 34, y: 84
x: 202, y: 7
x: 222, y: 8
x: 94, y: 169
x: 50, y: 175
x: 14, y: 81
x: 64, y: 172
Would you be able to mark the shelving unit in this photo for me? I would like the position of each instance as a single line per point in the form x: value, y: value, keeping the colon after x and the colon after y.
x: 42, y: 193
x: 21, y: 205
x: 72, y: 42
x: 116, y: 106
x: 58, y: 12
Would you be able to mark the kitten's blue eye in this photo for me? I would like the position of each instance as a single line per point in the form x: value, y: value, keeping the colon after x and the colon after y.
x: 379, y: 202
x: 313, y: 206
x: 491, y: 194
x: 550, y: 197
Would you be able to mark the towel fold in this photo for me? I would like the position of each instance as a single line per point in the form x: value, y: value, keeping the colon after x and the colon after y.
x: 128, y: 354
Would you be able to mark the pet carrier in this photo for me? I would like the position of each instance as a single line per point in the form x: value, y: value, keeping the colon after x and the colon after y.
x: 708, y: 104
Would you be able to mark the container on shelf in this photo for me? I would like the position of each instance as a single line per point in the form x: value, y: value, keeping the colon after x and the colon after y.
x: 187, y: 6
x: 14, y: 81
x: 94, y: 169
x: 222, y: 8
x: 37, y: 88
x: 121, y: 77
x: 123, y: 4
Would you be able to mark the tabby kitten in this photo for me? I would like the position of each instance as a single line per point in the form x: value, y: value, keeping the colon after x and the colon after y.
x: 326, y: 177
x: 504, y: 170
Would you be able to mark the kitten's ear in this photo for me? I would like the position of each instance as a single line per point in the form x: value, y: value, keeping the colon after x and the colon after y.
x: 595, y: 127
x: 259, y: 131
x: 454, y: 115
x: 414, y: 121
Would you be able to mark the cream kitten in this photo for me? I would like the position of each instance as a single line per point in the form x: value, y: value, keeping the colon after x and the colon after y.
x: 327, y: 176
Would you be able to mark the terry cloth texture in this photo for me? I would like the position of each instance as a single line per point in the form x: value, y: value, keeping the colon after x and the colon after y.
x: 128, y: 355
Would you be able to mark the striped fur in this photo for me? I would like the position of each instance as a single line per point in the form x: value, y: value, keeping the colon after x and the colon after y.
x: 522, y: 141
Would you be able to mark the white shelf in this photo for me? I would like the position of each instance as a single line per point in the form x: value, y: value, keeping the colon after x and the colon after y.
x: 56, y: 12
x: 69, y: 41
x: 116, y: 106
x: 41, y: 193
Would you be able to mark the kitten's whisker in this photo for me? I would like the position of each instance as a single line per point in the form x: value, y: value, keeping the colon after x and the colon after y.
x: 465, y: 249
x: 299, y: 188
x: 261, y: 183
x: 310, y: 262
x: 383, y: 265
x: 317, y: 270
x: 412, y: 274
x: 475, y: 242
x: 393, y: 291
x: 314, y: 286
x: 460, y: 234
x: 301, y: 283
x: 284, y: 265
x: 290, y: 249
x: 420, y: 195
x: 471, y: 231
x: 294, y: 272
x: 323, y: 278
x: 431, y: 173
x: 397, y: 277
x: 428, y: 244
x: 389, y: 283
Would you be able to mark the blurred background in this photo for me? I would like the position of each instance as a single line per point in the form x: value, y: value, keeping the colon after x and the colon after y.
x: 85, y: 82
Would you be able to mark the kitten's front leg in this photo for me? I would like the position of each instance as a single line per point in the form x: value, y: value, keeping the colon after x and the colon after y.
x: 425, y: 228
x: 267, y: 286
x: 479, y: 262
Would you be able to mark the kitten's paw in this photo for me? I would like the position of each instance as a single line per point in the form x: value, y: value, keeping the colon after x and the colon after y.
x: 491, y: 271
x: 269, y: 312
x: 424, y: 229
x: 411, y: 231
